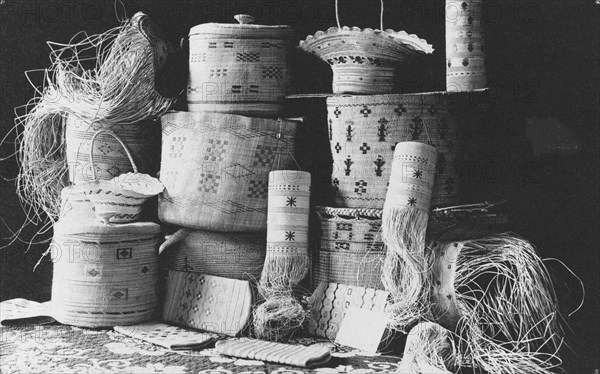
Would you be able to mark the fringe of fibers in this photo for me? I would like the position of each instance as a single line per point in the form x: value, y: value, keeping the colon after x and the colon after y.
x: 278, y: 317
x: 283, y: 270
x: 429, y: 349
x: 404, y: 272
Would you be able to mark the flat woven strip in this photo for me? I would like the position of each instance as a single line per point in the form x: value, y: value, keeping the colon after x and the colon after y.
x: 229, y: 255
x: 206, y: 302
x: 330, y: 301
x: 168, y: 336
x: 104, y: 275
x: 280, y: 353
x: 465, y: 51
x: 364, y: 131
x: 351, y: 249
x: 215, y: 168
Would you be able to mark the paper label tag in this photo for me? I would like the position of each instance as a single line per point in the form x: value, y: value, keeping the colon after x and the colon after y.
x: 362, y: 329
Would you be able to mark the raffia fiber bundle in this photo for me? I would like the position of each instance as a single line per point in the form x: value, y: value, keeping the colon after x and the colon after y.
x: 287, y: 260
x: 351, y: 249
x: 101, y: 80
x: 228, y: 255
x: 104, y: 275
x: 404, y: 226
x: 496, y: 295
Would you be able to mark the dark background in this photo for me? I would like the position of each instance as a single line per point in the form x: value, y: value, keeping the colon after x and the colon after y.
x: 536, y: 144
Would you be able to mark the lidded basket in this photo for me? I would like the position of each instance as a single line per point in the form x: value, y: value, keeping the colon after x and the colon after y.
x: 239, y: 68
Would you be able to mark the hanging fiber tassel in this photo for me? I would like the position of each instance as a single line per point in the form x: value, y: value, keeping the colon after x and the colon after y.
x: 404, y: 224
x: 429, y: 349
x: 287, y: 259
x: 497, y: 296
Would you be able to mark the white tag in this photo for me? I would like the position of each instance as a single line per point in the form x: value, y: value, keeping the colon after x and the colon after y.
x: 362, y: 329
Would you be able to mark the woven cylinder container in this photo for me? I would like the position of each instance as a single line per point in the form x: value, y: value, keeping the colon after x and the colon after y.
x: 110, y: 158
x: 104, y: 275
x: 215, y: 168
x: 288, y: 212
x: 364, y: 131
x: 239, y: 68
x: 351, y: 249
x: 228, y: 255
x: 465, y: 56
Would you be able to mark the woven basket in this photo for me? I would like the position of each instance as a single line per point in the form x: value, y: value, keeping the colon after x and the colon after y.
x: 239, y: 68
x: 215, y: 168
x: 75, y: 205
x: 120, y: 200
x: 465, y: 56
x: 351, y: 250
x: 363, y: 60
x: 364, y: 130
x: 228, y: 255
x: 104, y: 275
x: 110, y: 158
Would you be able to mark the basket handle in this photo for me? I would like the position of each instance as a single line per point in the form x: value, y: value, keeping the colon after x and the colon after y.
x: 337, y: 16
x: 111, y: 133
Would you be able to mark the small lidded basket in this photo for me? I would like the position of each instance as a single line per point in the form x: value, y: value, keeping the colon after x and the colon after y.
x: 239, y: 68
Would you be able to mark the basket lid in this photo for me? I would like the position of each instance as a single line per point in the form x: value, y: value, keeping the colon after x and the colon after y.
x: 93, y: 228
x: 244, y: 29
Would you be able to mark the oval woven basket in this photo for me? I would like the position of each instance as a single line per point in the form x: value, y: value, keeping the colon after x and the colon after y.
x: 363, y: 133
x: 104, y: 275
x: 351, y: 250
x: 75, y: 205
x: 215, y: 168
x: 110, y: 158
x: 239, y: 68
x: 228, y: 255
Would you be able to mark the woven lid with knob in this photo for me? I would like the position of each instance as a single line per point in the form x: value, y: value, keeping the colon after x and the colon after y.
x: 245, y: 28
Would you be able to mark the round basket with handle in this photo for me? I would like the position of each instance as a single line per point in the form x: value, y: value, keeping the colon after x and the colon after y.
x: 120, y: 199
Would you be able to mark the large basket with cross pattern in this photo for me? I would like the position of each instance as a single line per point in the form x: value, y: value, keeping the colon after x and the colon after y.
x: 215, y: 168
x: 363, y: 133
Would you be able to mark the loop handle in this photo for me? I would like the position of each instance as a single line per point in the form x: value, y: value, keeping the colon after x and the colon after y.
x: 112, y: 133
x: 337, y: 16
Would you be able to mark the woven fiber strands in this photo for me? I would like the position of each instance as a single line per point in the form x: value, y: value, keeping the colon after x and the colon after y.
x: 351, y: 250
x: 215, y: 168
x: 404, y: 225
x: 239, y: 68
x: 287, y: 260
x: 110, y: 159
x: 364, y: 131
x: 465, y: 56
x: 229, y: 255
x: 75, y: 206
x: 104, y: 275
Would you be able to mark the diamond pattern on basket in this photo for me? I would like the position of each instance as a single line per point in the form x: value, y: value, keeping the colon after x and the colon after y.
x: 272, y: 72
x: 177, y: 145
x: 264, y: 155
x: 105, y: 148
x: 209, y: 183
x: 238, y: 171
x: 361, y: 187
x: 218, y: 73
x: 118, y: 294
x: 215, y: 150
x: 124, y: 253
x: 114, y: 171
x: 257, y: 189
x: 247, y: 57
x: 198, y: 57
x: 342, y: 246
x: 364, y: 148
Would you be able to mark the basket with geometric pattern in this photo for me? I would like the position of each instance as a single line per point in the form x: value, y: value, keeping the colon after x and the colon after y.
x: 215, y: 168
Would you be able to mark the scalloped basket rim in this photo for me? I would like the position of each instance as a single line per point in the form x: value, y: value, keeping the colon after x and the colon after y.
x: 409, y: 39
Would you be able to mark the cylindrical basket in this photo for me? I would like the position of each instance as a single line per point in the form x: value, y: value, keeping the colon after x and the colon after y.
x: 465, y: 55
x: 239, y: 68
x: 105, y: 275
x: 363, y: 133
x: 215, y: 168
x: 228, y: 255
x: 110, y: 158
x: 351, y: 250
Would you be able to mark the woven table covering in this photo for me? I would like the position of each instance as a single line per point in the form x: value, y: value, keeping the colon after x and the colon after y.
x: 62, y: 349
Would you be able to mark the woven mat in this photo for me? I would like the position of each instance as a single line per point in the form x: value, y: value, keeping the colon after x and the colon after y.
x: 62, y: 349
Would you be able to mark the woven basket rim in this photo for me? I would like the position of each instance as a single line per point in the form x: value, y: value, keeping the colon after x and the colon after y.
x: 393, y: 98
x: 326, y: 212
x: 215, y: 28
x: 415, y: 43
x: 131, y: 229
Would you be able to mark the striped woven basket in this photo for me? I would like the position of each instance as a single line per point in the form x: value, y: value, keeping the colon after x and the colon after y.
x: 215, y: 168
x: 363, y: 133
x: 239, y: 68
x: 75, y: 205
x: 110, y: 158
x: 228, y: 255
x: 104, y: 275
x: 351, y: 250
